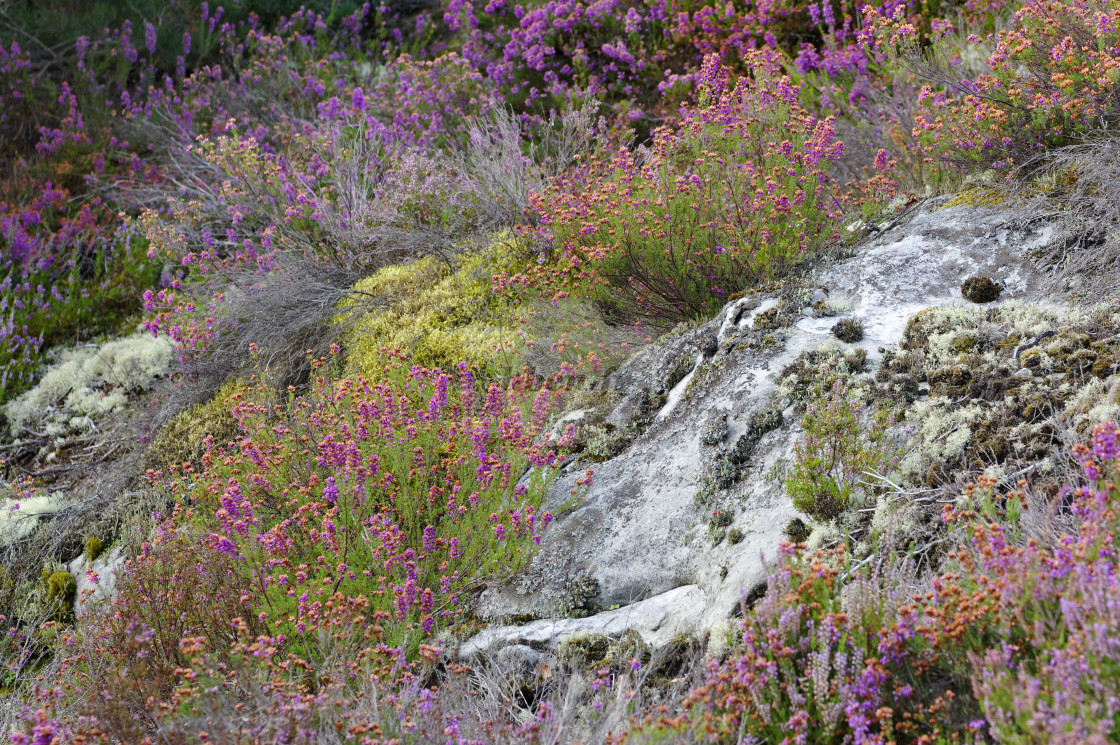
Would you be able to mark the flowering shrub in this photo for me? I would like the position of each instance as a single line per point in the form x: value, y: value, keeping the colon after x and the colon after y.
x: 1014, y: 641
x: 735, y: 196
x: 62, y: 276
x: 401, y: 492
x: 309, y: 570
x: 1052, y: 79
x: 331, y: 543
x: 842, y: 443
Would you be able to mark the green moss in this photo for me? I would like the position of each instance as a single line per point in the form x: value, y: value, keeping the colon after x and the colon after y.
x: 581, y: 593
x: 1081, y: 362
x: 587, y: 653
x: 715, y: 431
x: 848, y: 330
x: 601, y: 442
x: 94, y: 548
x: 735, y: 536
x: 1033, y: 359
x: 819, y: 368
x: 981, y: 289
x: 183, y: 439
x: 963, y: 343
x: 57, y: 589
x: 440, y: 315
x: 767, y: 320
x: 979, y: 196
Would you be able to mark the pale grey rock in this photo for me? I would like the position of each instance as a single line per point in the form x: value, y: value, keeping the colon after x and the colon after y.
x: 657, y: 620
x: 637, y: 531
x: 97, y: 582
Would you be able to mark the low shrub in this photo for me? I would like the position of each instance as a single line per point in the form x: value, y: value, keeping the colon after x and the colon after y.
x: 980, y: 289
x: 848, y: 330
x: 402, y: 492
x: 842, y: 442
x: 328, y: 548
x: 735, y: 196
x: 64, y: 277
x: 1052, y: 79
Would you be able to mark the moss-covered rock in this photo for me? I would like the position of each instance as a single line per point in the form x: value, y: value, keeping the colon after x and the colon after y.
x: 581, y: 592
x: 768, y: 319
x: 439, y: 314
x: 981, y: 289
x: 848, y: 330
x: 819, y: 368
x: 1009, y: 386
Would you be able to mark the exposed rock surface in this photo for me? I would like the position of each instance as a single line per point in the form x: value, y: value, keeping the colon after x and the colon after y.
x: 96, y: 581
x: 650, y: 534
x: 659, y: 620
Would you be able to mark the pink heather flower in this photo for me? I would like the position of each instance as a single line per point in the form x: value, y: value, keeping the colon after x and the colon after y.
x: 150, y: 37
x: 881, y: 161
x: 1105, y: 445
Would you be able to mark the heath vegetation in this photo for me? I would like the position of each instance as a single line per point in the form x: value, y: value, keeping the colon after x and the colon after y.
x: 294, y: 299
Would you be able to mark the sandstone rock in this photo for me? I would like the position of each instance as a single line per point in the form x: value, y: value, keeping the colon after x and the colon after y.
x: 640, y: 531
x: 97, y: 581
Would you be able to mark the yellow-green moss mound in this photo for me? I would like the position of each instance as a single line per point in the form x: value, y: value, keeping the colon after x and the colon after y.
x: 183, y: 439
x: 440, y: 315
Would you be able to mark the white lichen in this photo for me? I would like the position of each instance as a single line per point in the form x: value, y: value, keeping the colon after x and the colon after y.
x: 20, y: 517
x: 88, y: 383
x: 941, y: 435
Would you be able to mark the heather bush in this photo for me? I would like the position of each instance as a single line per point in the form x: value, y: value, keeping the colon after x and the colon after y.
x: 356, y: 176
x: 64, y: 276
x: 402, y: 492
x: 329, y: 546
x: 1051, y: 80
x: 842, y: 443
x: 735, y: 196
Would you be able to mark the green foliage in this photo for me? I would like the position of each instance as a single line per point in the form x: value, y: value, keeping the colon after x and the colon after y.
x: 99, y: 291
x: 842, y: 443
x: 187, y: 436
x: 439, y: 316
x: 405, y: 502
x: 94, y: 548
x: 58, y: 589
x: 57, y: 26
